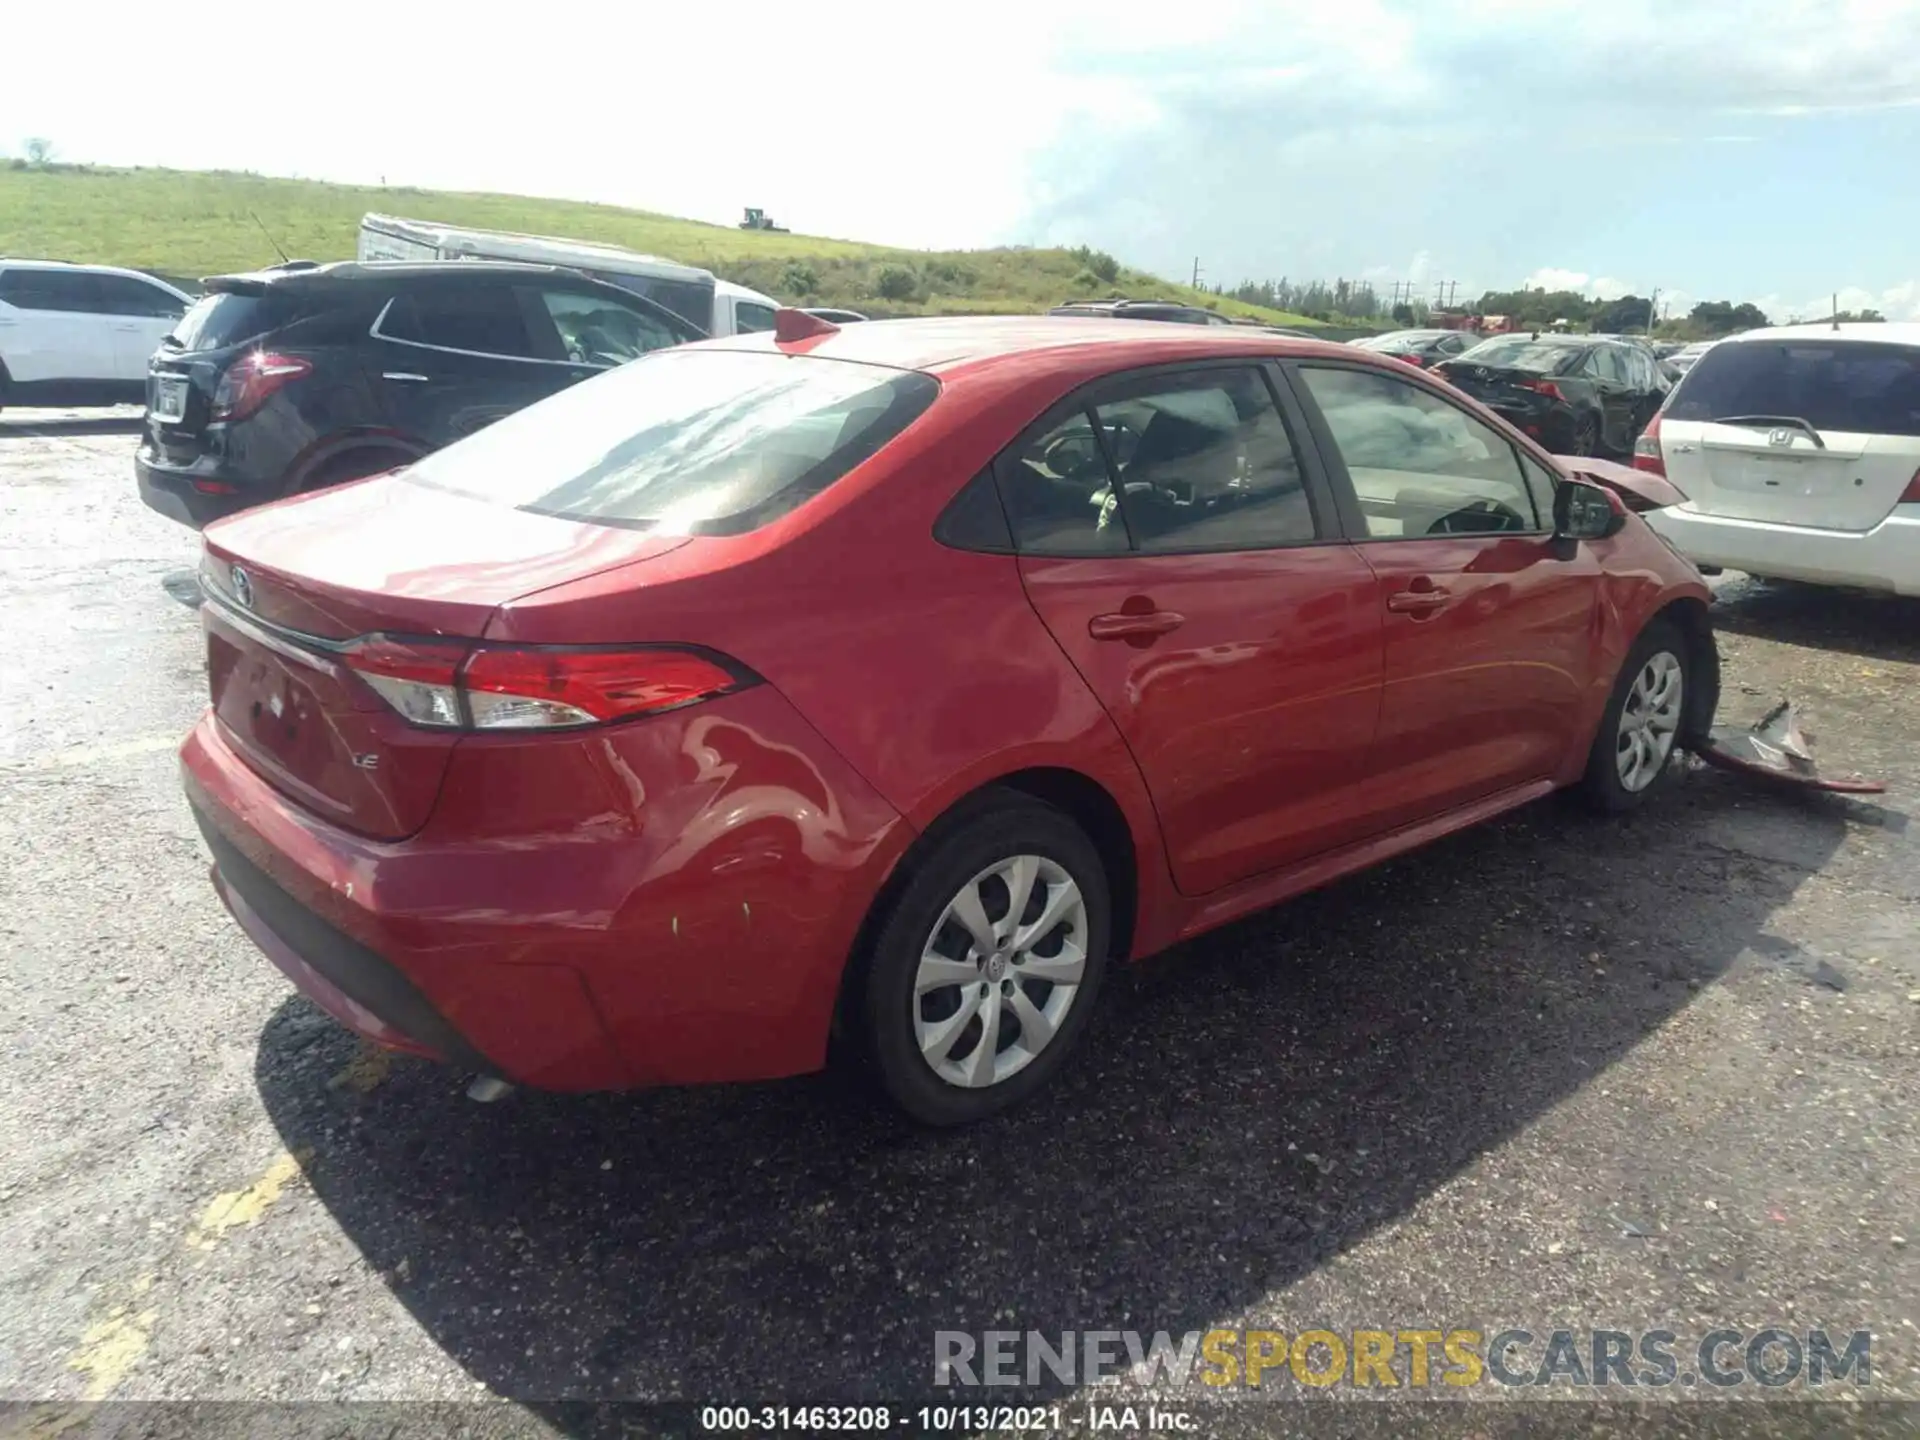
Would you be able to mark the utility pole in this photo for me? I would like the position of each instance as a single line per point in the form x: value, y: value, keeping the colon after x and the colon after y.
x: 1196, y: 272
x: 1653, y: 307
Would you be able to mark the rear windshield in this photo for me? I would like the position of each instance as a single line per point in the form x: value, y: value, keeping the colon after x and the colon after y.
x: 1396, y: 344
x: 1541, y: 358
x: 1856, y: 386
x: 686, y: 442
x: 217, y: 321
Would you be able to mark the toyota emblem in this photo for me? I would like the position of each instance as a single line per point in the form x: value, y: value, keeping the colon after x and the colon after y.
x: 242, y: 587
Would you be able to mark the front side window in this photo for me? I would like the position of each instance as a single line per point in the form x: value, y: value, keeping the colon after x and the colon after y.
x: 1419, y: 465
x: 686, y: 442
x: 475, y: 319
x: 691, y: 300
x: 124, y: 295
x: 1849, y: 386
x: 594, y: 332
x: 1207, y: 464
x: 1604, y: 364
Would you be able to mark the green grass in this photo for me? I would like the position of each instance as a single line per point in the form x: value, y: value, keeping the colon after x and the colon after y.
x: 192, y: 223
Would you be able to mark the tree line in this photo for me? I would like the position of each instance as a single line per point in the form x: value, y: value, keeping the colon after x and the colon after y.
x: 1532, y: 309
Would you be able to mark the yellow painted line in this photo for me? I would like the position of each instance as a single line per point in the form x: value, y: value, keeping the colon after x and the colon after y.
x: 90, y: 755
x: 245, y: 1207
x: 114, y: 1345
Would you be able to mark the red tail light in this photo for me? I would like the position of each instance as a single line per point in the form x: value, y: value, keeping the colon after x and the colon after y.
x: 251, y: 379
x: 1544, y: 387
x: 1911, y: 495
x: 1646, y: 451
x: 452, y: 686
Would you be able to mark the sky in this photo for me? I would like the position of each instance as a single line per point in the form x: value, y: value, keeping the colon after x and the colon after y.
x: 1760, y: 150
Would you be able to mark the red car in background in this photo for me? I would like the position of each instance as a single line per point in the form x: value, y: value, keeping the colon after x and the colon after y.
x: 879, y: 685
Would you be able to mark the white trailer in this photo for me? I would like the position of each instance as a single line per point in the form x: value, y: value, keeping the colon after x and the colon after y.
x: 716, y: 306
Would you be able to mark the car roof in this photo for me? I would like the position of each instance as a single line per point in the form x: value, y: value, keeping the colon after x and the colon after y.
x: 951, y: 345
x: 1887, y: 332
x: 349, y: 272
x: 13, y: 262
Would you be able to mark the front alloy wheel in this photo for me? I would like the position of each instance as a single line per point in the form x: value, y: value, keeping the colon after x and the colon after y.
x: 1649, y: 721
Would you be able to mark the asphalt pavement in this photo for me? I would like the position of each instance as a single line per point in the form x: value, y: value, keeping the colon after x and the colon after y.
x: 1658, y: 1072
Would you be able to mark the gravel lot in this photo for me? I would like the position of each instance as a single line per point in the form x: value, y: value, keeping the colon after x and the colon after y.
x: 1556, y: 1072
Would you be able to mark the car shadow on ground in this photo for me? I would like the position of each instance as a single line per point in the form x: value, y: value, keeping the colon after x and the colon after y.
x: 25, y: 425
x: 1866, y: 623
x: 1242, y: 1110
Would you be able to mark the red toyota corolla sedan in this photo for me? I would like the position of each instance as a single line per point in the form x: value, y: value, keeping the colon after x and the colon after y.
x: 878, y: 686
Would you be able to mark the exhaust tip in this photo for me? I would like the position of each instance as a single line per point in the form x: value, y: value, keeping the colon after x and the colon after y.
x: 485, y: 1089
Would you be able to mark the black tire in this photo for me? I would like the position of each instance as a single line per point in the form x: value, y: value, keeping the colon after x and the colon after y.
x: 999, y: 825
x: 1585, y: 439
x: 1603, y: 786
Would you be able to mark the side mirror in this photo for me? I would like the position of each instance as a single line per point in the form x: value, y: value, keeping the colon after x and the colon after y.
x: 1586, y: 512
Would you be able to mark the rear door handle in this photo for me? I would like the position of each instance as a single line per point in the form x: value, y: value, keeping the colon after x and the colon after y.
x: 1418, y: 600
x: 1134, y: 625
x: 406, y: 375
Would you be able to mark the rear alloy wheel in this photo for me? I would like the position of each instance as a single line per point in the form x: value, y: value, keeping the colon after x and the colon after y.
x: 983, y: 976
x: 1642, y: 723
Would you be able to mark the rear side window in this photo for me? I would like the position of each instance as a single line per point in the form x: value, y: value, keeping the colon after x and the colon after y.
x: 476, y: 319
x: 219, y: 320
x: 66, y: 290
x: 686, y: 442
x: 1842, y: 385
x: 749, y: 317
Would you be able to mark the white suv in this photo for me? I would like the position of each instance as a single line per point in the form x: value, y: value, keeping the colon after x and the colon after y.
x: 80, y: 334
x: 1798, y: 449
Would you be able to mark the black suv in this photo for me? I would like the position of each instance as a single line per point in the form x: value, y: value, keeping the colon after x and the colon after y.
x: 303, y: 376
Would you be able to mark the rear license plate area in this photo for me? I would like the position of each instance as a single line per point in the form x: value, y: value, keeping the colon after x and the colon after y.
x: 169, y: 404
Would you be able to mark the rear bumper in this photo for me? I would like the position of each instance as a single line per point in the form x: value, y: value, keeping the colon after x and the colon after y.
x: 666, y: 902
x: 171, y: 491
x: 1886, y: 557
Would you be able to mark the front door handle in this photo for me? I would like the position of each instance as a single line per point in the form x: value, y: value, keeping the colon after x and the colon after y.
x: 1421, y: 597
x: 1141, y: 625
x: 405, y: 375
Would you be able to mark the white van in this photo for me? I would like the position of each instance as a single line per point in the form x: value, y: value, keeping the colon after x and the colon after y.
x: 716, y: 306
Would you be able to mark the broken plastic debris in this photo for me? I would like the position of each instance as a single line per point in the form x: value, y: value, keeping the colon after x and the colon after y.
x: 1777, y: 749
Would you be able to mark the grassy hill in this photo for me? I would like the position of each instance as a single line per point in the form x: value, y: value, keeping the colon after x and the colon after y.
x: 192, y: 223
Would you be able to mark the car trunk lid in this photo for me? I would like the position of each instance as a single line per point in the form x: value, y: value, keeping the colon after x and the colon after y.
x: 1801, y: 430
x: 292, y: 586
x: 1778, y: 473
